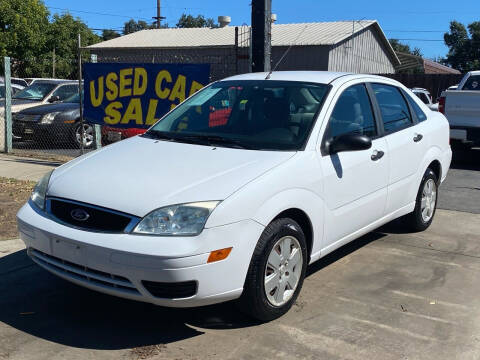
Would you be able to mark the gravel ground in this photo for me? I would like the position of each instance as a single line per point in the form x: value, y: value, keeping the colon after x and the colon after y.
x: 13, y: 194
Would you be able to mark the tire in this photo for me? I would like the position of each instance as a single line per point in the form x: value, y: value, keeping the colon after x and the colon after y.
x: 89, y: 141
x: 277, y: 235
x: 420, y: 219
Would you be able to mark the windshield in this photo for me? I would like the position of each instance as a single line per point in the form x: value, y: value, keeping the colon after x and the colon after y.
x: 37, y: 91
x: 251, y: 114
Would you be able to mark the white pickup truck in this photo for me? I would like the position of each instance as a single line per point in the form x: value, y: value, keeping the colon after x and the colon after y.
x: 462, y: 109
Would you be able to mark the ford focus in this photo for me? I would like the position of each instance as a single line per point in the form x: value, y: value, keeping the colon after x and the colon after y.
x: 232, y: 194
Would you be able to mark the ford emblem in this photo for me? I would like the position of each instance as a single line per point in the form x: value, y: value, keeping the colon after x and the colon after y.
x: 79, y: 215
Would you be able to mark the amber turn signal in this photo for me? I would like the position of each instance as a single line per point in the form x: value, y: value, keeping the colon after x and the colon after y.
x: 218, y: 255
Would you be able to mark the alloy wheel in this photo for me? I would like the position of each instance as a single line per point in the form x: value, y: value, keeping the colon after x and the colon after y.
x: 88, y: 135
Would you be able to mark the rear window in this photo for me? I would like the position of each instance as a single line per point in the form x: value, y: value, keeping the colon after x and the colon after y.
x: 416, y: 108
x: 473, y: 83
x: 395, y: 112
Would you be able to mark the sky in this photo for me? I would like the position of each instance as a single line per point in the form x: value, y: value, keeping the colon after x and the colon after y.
x: 417, y: 23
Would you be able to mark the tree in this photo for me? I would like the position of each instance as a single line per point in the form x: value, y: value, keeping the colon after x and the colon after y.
x: 404, y: 48
x: 63, y: 37
x: 23, y: 29
x: 189, y: 21
x: 464, y: 46
x: 108, y: 34
x: 132, y: 26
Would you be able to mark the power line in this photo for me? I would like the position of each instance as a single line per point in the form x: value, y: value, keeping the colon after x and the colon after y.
x: 418, y: 31
x: 95, y: 13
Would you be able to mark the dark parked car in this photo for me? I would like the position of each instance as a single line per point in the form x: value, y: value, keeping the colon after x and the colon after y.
x: 53, y: 123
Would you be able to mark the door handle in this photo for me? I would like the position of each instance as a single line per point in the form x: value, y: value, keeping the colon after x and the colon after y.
x: 377, y: 155
x: 417, y: 137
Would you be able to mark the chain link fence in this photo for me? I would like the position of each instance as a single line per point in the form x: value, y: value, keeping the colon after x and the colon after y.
x: 45, y: 117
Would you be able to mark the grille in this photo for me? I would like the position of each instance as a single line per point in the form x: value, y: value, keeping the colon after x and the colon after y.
x: 171, y: 290
x: 83, y: 273
x: 99, y: 219
x: 27, y: 117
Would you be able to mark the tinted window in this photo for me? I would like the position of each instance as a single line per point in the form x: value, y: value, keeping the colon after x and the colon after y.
x: 416, y: 108
x: 265, y: 114
x: 65, y: 91
x: 394, y: 109
x: 352, y: 114
x: 473, y: 83
x: 422, y: 97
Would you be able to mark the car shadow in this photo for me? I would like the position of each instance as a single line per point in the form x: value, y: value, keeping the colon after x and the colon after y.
x: 40, y: 304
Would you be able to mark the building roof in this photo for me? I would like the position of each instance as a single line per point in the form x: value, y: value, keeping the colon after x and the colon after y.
x: 319, y: 33
x: 412, y: 62
x: 432, y: 67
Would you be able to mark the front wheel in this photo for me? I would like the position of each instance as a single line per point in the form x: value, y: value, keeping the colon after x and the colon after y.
x: 88, y: 135
x: 277, y: 270
x: 426, y: 203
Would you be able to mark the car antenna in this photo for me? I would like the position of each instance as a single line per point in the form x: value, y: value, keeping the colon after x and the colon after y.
x: 285, y: 53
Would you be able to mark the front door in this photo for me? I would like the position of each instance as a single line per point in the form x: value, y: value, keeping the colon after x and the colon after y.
x: 355, y: 182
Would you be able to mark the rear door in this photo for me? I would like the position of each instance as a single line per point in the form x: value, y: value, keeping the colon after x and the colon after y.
x: 405, y: 143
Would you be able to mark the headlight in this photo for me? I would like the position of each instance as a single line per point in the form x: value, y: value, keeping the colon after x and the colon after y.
x: 180, y: 220
x: 40, y: 191
x: 48, y: 118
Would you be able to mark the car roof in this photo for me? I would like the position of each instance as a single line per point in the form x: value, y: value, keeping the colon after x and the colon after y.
x: 47, y: 81
x: 321, y: 77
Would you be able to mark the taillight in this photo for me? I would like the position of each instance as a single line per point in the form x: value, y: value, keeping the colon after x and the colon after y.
x: 441, y: 105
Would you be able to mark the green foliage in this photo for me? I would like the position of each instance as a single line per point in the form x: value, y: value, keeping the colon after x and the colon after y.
x: 404, y: 48
x: 464, y: 46
x: 109, y: 34
x: 63, y: 37
x: 132, y: 26
x: 29, y: 36
x: 189, y: 21
x: 23, y: 32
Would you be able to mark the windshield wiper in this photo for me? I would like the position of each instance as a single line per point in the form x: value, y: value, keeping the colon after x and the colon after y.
x: 219, y: 140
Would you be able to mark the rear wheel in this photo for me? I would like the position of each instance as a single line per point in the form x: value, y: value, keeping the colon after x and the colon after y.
x: 426, y: 203
x: 277, y: 270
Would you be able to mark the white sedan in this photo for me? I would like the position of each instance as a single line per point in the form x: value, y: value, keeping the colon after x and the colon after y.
x: 233, y: 193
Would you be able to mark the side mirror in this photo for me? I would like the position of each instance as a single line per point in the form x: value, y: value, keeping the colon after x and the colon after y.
x: 349, y: 142
x: 54, y: 99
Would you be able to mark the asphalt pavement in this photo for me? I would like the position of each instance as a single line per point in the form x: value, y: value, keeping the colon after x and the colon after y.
x: 388, y: 295
x: 461, y: 189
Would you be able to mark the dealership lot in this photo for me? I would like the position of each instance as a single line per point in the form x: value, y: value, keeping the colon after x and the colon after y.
x: 387, y: 295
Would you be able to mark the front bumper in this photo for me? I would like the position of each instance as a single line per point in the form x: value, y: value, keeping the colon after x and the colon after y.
x: 35, y: 131
x: 121, y: 264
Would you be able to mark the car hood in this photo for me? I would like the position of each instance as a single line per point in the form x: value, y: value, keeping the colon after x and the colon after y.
x: 49, y: 108
x: 139, y: 175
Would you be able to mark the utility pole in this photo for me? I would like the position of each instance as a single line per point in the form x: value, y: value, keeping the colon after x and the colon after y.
x: 53, y: 63
x: 261, y: 35
x: 159, y: 18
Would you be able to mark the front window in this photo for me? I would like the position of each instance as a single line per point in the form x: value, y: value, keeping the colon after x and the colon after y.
x: 65, y: 91
x: 264, y: 115
x: 37, y: 91
x: 352, y: 114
